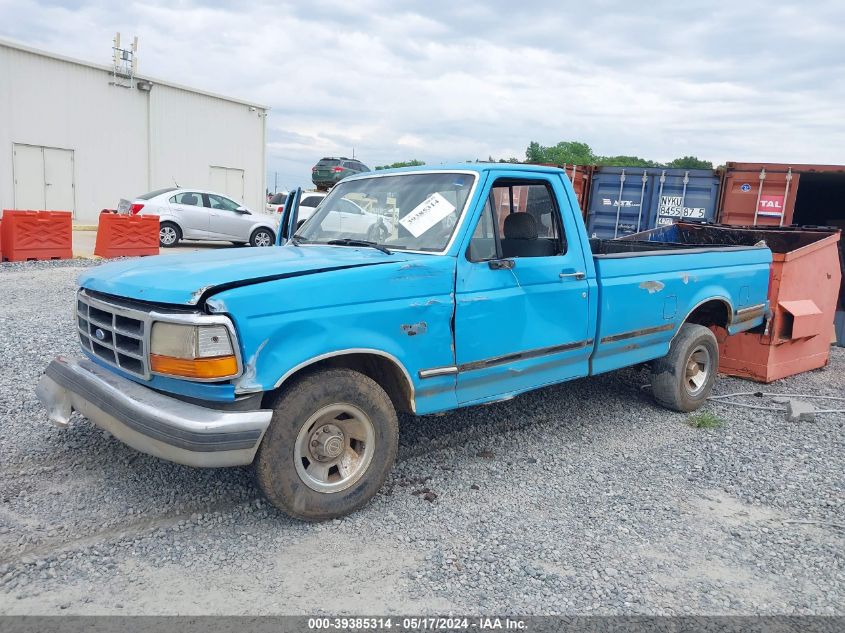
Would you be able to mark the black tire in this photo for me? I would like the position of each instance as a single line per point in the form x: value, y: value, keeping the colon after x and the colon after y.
x: 169, y: 234
x: 683, y: 379
x: 262, y: 237
x: 276, y: 470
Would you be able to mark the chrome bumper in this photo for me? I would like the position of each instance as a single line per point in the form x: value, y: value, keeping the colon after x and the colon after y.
x: 147, y: 420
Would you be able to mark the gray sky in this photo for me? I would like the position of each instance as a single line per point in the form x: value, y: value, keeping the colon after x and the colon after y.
x: 450, y: 81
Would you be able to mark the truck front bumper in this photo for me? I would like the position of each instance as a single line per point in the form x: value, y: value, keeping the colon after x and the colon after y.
x: 147, y: 420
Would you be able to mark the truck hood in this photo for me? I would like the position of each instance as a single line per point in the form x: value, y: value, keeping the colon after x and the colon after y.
x: 187, y: 279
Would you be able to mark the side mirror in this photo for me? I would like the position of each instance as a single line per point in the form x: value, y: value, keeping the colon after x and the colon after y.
x: 243, y: 210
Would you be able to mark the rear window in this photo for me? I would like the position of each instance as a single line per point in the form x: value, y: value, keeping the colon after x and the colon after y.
x: 157, y: 192
x: 311, y: 201
x: 328, y: 162
x: 279, y: 198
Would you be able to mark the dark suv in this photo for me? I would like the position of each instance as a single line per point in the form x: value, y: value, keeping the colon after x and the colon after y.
x: 330, y: 171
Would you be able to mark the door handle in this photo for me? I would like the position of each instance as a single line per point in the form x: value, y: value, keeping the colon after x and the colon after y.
x: 578, y: 275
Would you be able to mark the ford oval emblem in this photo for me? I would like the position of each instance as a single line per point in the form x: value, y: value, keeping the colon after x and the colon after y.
x: 100, y: 334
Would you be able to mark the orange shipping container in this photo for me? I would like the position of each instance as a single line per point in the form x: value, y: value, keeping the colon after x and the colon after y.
x: 580, y: 176
x: 779, y: 194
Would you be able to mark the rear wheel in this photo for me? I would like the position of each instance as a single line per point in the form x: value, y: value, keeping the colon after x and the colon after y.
x: 169, y: 234
x: 262, y: 237
x: 332, y: 441
x: 683, y: 379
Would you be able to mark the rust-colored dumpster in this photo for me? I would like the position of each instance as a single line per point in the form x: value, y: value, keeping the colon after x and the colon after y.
x: 803, y: 293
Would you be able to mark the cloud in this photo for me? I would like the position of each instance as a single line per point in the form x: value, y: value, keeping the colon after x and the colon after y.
x: 441, y: 81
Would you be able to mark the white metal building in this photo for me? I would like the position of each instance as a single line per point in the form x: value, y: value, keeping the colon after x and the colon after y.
x: 72, y: 139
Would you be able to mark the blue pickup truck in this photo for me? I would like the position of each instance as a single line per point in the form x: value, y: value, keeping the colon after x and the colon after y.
x: 415, y: 290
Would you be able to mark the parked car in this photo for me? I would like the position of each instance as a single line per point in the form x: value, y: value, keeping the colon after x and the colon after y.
x: 310, y: 200
x: 276, y: 202
x: 297, y: 359
x: 330, y: 171
x: 194, y: 214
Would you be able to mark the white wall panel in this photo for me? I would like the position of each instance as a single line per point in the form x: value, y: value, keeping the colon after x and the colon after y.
x: 194, y: 132
x: 124, y: 141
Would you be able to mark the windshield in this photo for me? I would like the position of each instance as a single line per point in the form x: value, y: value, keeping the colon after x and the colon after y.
x: 417, y: 212
x: 278, y: 198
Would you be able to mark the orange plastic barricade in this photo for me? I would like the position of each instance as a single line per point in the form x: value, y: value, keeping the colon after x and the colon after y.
x: 126, y: 235
x: 28, y: 235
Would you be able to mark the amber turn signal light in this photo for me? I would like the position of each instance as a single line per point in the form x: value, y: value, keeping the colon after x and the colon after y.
x: 203, y: 368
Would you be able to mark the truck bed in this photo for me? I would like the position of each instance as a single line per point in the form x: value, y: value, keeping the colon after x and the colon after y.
x: 648, y: 287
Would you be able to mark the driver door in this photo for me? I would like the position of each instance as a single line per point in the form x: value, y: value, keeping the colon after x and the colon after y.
x: 287, y: 223
x: 522, y: 298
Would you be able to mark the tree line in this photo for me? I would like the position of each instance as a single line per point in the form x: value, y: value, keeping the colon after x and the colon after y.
x: 578, y: 153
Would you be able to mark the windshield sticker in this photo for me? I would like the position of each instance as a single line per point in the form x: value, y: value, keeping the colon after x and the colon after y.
x: 425, y: 215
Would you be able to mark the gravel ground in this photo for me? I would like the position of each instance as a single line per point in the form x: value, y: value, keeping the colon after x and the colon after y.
x: 578, y: 499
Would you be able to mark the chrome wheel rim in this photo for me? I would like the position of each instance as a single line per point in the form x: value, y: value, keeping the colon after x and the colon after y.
x: 167, y: 235
x: 697, y: 370
x: 262, y: 239
x: 334, y: 448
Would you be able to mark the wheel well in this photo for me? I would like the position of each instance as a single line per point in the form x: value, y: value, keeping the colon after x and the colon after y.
x: 260, y: 228
x: 381, y: 369
x: 711, y: 313
x: 174, y: 224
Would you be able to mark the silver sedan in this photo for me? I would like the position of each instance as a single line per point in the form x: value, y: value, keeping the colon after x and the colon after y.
x: 194, y: 214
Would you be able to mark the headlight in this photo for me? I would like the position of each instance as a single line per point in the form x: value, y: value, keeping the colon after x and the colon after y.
x: 192, y: 351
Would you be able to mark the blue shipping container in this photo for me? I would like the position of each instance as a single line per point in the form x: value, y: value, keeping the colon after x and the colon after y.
x: 625, y: 200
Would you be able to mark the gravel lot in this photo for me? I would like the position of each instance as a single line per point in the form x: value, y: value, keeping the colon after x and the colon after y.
x: 578, y: 499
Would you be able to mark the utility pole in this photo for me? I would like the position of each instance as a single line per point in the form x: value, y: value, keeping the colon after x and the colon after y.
x: 275, y: 182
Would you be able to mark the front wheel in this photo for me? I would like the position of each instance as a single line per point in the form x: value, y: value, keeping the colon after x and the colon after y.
x: 262, y: 237
x: 329, y: 447
x: 683, y: 379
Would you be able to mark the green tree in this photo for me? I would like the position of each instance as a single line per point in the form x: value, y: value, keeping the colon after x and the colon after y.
x: 690, y: 162
x: 534, y: 152
x: 565, y: 152
x: 406, y: 163
x: 579, y: 153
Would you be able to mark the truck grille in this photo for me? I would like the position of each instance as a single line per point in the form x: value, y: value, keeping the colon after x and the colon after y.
x: 115, y: 334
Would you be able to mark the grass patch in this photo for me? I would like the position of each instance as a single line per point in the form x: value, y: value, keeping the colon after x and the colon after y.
x: 706, y: 420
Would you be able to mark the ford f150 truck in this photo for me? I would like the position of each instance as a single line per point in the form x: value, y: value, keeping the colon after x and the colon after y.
x: 457, y: 286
